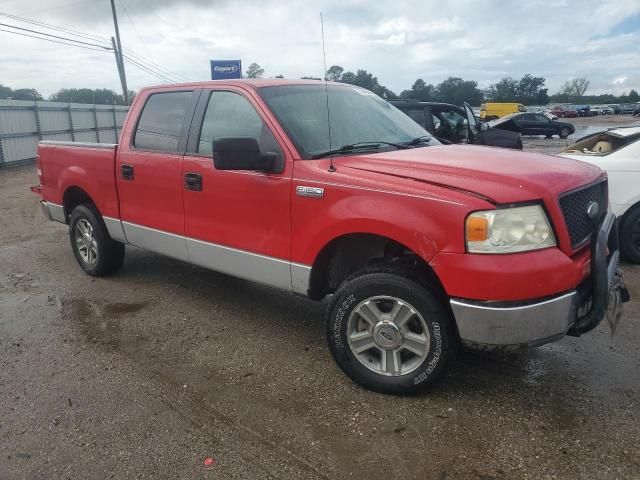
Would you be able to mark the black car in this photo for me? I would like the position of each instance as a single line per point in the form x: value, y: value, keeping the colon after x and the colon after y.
x: 450, y: 124
x: 534, y: 124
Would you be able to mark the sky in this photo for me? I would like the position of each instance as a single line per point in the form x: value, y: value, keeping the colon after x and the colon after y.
x: 397, y: 41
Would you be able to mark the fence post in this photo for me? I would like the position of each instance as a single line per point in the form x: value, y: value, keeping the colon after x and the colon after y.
x: 115, y: 124
x: 36, y: 112
x: 71, y: 130
x: 95, y: 122
x: 1, y: 154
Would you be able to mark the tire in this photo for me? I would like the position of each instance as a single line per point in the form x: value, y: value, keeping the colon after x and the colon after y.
x: 564, y: 132
x: 96, y: 252
x: 425, y: 319
x: 630, y: 248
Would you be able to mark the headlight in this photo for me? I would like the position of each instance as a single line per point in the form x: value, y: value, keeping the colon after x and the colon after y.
x: 509, y: 230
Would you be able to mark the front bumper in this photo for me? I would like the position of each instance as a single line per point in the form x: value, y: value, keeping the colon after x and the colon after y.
x: 513, y: 325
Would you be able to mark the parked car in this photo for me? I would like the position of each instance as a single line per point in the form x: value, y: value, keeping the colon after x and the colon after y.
x: 617, y: 151
x: 419, y: 247
x: 627, y: 108
x: 564, y: 112
x: 602, y: 110
x: 582, y: 110
x: 535, y: 124
x: 450, y: 124
x: 495, y: 110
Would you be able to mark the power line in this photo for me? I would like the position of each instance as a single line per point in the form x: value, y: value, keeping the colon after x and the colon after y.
x: 133, y: 56
x: 53, y: 41
x: 152, y: 72
x: 151, y: 64
x: 54, y: 36
x: 134, y: 27
x: 54, y: 27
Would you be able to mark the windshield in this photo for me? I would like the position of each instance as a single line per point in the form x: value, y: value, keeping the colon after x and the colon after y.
x: 357, y: 116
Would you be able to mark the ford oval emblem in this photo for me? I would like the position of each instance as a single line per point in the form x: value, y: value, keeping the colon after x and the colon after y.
x: 592, y: 210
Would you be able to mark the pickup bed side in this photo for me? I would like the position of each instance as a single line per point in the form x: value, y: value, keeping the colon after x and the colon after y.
x: 72, y: 173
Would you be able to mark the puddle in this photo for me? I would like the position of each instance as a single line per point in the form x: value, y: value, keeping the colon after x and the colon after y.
x: 103, y: 324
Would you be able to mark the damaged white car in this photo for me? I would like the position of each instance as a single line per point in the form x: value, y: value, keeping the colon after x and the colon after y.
x: 618, y: 152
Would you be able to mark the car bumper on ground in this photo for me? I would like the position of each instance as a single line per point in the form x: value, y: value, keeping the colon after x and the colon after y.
x: 514, y: 325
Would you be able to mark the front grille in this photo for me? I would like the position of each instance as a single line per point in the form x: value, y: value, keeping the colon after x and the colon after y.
x: 574, y: 206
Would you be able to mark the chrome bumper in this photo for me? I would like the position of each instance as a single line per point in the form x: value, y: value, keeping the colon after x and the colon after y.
x: 482, y: 325
x: 514, y: 325
x: 51, y: 211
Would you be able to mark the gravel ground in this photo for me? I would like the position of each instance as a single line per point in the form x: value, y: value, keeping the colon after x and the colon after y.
x: 147, y: 373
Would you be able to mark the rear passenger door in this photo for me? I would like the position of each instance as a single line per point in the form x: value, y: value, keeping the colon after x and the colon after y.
x: 149, y: 173
x: 237, y: 221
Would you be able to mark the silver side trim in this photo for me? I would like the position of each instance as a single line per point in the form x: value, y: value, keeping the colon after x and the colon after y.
x: 57, y: 143
x: 114, y: 227
x: 300, y: 278
x: 174, y: 246
x: 517, y: 325
x: 271, y: 271
x: 45, y: 210
x: 56, y: 212
x: 239, y: 263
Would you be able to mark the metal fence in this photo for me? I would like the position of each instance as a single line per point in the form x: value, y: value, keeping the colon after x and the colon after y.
x: 23, y: 124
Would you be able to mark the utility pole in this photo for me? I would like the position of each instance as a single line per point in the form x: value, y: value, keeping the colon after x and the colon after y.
x: 117, y: 45
x: 120, y: 65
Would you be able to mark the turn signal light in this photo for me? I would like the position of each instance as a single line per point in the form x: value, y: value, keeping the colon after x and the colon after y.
x: 477, y: 229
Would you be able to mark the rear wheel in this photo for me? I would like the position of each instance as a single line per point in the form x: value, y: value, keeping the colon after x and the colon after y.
x: 92, y: 246
x: 389, y: 333
x: 564, y: 132
x: 630, y: 236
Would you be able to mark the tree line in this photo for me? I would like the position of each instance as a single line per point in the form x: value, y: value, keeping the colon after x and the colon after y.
x: 100, y: 96
x: 528, y: 90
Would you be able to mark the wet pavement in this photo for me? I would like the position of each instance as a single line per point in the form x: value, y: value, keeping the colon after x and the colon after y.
x: 147, y: 373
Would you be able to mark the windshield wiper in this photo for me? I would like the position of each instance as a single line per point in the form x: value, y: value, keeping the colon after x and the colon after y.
x: 418, y: 140
x: 359, y: 146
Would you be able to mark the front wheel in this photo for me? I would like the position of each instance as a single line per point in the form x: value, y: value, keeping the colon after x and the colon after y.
x: 388, y: 333
x: 565, y: 132
x: 96, y: 252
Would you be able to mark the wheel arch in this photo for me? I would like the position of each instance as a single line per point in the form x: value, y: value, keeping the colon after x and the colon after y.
x: 72, y: 197
x: 349, y: 253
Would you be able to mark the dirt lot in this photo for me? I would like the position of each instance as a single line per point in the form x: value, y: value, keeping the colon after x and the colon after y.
x: 146, y: 373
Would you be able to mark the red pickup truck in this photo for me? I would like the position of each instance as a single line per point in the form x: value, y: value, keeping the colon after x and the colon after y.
x: 329, y: 191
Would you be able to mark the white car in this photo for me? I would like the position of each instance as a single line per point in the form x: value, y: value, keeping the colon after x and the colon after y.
x: 617, y: 151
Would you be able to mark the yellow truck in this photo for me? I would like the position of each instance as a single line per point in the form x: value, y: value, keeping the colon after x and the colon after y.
x: 491, y: 111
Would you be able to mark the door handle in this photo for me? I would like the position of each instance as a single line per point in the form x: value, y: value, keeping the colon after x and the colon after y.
x: 126, y: 172
x: 193, y: 182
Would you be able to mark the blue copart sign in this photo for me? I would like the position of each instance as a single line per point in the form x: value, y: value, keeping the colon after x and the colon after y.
x: 225, y: 69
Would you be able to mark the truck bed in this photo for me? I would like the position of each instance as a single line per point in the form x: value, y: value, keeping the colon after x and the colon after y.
x: 79, y: 163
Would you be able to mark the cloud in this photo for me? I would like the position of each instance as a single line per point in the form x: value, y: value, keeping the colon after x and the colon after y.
x: 414, y: 39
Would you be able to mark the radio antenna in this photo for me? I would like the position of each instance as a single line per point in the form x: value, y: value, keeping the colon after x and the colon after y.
x: 332, y: 167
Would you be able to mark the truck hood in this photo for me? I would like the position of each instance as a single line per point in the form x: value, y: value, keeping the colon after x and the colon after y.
x: 495, y: 174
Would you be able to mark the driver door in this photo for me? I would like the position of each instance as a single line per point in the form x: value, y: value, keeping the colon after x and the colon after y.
x: 236, y: 221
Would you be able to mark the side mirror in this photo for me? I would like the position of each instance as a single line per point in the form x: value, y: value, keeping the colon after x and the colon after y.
x: 484, y: 127
x: 244, y: 154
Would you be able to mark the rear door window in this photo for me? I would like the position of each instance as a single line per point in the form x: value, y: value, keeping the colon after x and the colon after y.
x: 417, y: 115
x: 161, y: 122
